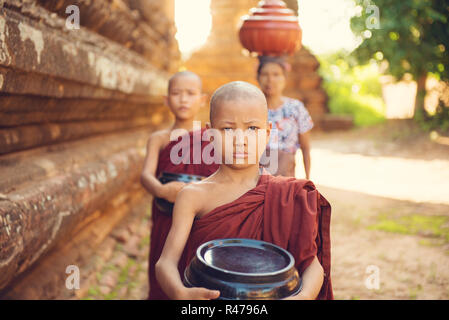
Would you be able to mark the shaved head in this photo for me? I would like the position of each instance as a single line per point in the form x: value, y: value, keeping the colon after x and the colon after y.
x: 236, y: 91
x: 184, y: 74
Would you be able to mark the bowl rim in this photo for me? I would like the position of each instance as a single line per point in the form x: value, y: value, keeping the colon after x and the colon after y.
x: 256, y: 243
x: 166, y: 174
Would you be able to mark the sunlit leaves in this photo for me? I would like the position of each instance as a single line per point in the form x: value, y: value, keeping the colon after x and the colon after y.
x: 413, y: 36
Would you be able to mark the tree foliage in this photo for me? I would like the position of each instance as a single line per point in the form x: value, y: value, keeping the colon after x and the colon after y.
x: 352, y: 89
x: 413, y: 35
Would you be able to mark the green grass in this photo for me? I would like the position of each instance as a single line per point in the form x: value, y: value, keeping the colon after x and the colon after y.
x: 111, y: 296
x: 432, y: 242
x: 123, y: 280
x: 434, y: 227
x: 92, y: 293
x: 109, y: 267
x: 123, y: 276
x: 144, y: 242
x: 413, y: 292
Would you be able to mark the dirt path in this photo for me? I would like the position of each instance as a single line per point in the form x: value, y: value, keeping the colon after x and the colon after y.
x: 389, y: 189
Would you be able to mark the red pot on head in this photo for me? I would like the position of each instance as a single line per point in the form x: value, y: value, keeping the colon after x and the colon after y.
x: 271, y: 29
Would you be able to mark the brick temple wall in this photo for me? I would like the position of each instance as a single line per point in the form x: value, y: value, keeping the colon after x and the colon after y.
x: 76, y: 109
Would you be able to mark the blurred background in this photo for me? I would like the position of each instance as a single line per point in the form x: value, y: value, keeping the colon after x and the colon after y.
x: 79, y: 98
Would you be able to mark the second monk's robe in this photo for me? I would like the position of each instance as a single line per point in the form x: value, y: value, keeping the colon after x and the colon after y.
x: 288, y: 212
x: 161, y: 222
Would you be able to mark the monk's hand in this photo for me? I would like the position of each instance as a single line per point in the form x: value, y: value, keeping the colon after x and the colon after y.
x: 171, y: 189
x: 198, y: 294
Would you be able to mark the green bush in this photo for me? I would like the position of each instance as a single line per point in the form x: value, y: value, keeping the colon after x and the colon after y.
x: 353, y: 90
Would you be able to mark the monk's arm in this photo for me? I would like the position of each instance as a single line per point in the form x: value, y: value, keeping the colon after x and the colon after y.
x: 148, y: 176
x: 312, y: 280
x: 304, y: 142
x: 167, y: 272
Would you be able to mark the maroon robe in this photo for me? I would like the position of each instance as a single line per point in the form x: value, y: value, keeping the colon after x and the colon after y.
x: 288, y: 212
x: 161, y: 222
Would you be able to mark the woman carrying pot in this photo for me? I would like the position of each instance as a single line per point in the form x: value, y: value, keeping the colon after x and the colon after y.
x: 289, y: 117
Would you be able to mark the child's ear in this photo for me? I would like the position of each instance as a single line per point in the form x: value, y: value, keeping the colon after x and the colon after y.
x: 166, y: 101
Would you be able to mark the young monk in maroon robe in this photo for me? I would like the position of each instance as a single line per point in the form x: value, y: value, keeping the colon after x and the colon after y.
x: 184, y: 99
x: 241, y: 201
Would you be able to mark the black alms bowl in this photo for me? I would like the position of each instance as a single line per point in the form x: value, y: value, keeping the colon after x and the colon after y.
x: 165, y: 206
x: 244, y: 269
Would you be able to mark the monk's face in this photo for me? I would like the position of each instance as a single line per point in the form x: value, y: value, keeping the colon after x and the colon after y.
x: 185, y: 98
x: 243, y: 131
